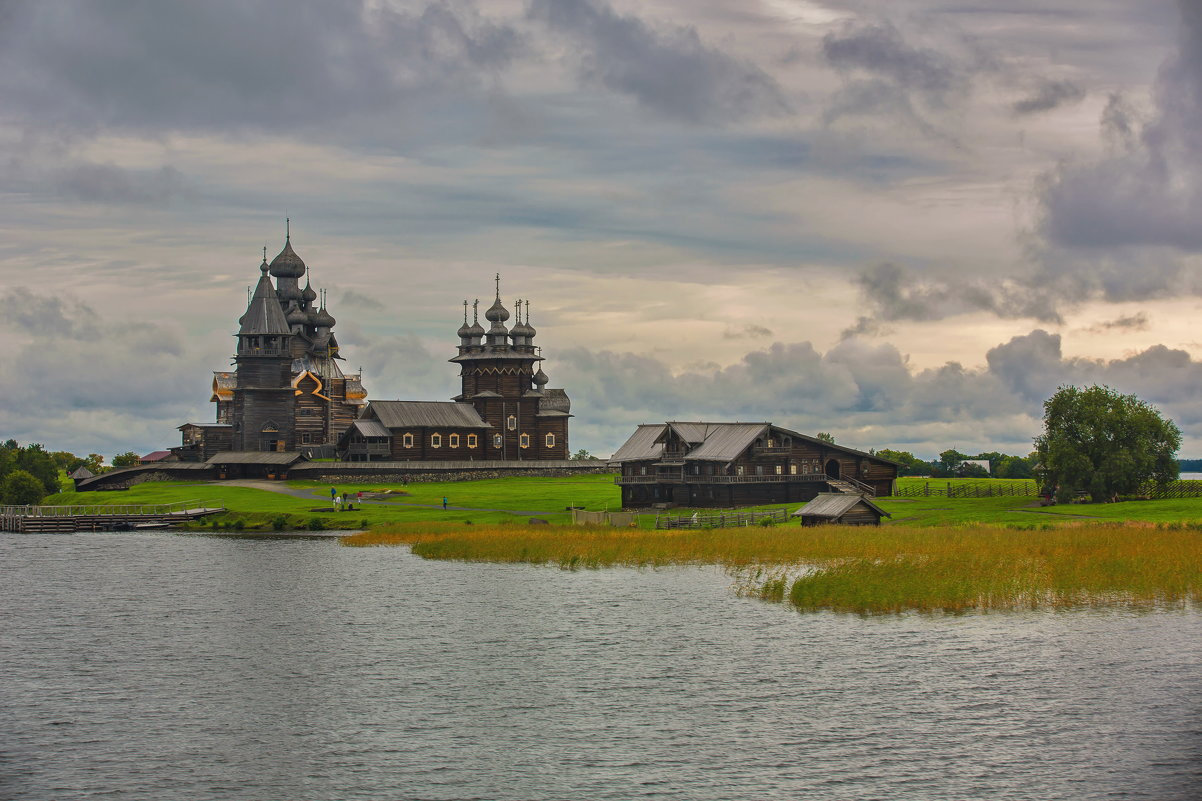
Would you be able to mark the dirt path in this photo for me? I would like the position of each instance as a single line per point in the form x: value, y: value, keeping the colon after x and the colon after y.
x: 317, y: 497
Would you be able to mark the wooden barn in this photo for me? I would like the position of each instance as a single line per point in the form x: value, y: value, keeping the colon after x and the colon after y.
x: 702, y: 464
x: 843, y: 508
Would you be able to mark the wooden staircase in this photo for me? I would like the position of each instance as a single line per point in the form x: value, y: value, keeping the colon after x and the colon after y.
x: 850, y: 486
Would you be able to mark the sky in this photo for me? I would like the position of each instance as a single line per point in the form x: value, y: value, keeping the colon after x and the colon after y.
x: 905, y: 224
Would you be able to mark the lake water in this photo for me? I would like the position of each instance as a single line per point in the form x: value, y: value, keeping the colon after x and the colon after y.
x: 159, y: 666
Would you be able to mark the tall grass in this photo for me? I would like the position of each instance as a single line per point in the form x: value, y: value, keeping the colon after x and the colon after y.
x: 867, y: 570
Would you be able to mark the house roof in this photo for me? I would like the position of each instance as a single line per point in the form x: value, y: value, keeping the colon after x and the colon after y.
x: 264, y: 315
x: 371, y: 428
x: 426, y: 414
x: 643, y: 444
x: 717, y: 442
x: 81, y: 472
x: 155, y: 456
x: 254, y: 457
x: 832, y: 505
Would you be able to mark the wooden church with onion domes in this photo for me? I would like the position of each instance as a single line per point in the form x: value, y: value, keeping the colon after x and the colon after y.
x: 288, y: 394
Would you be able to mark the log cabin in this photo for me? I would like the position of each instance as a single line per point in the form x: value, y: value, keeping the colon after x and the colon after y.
x: 699, y: 464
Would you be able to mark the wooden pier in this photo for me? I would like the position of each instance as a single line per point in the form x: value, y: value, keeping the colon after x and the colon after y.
x: 101, y: 517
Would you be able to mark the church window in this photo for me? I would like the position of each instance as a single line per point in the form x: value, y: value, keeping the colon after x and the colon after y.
x: 436, y: 440
x: 453, y: 441
x: 512, y: 423
x: 269, y: 426
x: 472, y: 440
x: 792, y: 469
x: 779, y: 469
x: 525, y: 440
x: 407, y: 441
x: 496, y: 440
x: 550, y: 440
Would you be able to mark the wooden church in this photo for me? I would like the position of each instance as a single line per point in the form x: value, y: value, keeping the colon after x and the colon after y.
x: 288, y: 393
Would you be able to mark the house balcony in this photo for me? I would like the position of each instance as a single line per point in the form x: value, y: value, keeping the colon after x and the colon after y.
x: 684, y: 478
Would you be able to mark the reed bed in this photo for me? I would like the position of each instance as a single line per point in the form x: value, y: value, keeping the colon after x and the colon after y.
x: 868, y: 570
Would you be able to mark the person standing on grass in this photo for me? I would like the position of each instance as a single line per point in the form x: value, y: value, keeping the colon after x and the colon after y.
x: 359, y: 498
x: 444, y: 504
x: 334, y: 498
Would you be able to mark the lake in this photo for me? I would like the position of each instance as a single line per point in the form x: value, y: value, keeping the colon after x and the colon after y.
x: 161, y: 666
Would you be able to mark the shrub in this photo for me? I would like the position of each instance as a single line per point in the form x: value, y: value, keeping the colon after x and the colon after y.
x: 239, y: 524
x: 767, y: 522
x: 317, y: 524
x: 279, y: 523
x: 22, y: 488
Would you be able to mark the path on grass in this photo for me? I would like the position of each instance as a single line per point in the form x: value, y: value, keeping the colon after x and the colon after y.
x: 310, y: 495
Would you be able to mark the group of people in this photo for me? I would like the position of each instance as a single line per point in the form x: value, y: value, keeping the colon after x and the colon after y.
x: 346, y: 501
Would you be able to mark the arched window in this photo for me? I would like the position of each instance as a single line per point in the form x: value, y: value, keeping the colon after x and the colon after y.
x: 472, y: 440
x: 269, y: 427
x: 497, y: 440
x: 512, y: 423
x: 407, y: 441
x: 453, y: 441
x: 525, y: 440
x: 550, y: 440
x: 436, y: 440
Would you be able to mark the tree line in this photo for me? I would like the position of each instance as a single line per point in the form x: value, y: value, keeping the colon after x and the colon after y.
x: 29, y: 473
x: 954, y: 464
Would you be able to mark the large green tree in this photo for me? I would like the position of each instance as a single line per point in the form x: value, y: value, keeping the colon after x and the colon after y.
x: 1099, y: 441
x: 21, y: 488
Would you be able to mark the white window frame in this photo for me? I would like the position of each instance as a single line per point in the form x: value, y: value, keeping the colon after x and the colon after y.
x: 497, y: 440
x: 453, y: 441
x: 524, y: 440
x: 436, y: 440
x: 511, y: 422
x: 407, y: 440
x: 550, y: 440
x: 472, y: 440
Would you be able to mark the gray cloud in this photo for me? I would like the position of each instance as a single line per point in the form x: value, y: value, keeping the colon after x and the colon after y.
x: 1049, y: 95
x: 879, y: 49
x: 749, y: 331
x: 1118, y: 226
x: 1131, y: 322
x: 269, y: 65
x: 667, y: 69
x: 358, y: 300
x: 49, y: 317
x: 895, y: 293
x: 109, y: 184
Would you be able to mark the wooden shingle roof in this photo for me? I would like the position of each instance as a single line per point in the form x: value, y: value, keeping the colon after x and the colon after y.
x: 426, y: 414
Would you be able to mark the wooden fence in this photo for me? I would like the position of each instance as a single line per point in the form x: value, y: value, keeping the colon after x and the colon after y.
x: 951, y: 489
x: 723, y: 519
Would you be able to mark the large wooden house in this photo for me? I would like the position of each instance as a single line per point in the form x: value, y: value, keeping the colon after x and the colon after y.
x: 740, y: 464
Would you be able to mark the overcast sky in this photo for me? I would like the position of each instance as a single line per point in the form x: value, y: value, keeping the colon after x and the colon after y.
x: 903, y: 223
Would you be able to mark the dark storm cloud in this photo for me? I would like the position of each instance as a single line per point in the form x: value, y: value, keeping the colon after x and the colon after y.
x: 48, y: 316
x: 894, y: 293
x: 269, y: 64
x: 667, y: 69
x: 1118, y: 226
x: 879, y: 49
x: 1049, y: 95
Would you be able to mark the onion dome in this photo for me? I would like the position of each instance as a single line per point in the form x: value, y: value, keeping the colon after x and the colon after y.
x: 497, y: 313
x: 540, y: 379
x: 287, y: 264
x: 324, y: 319
x: 465, y: 330
x: 297, y: 316
x: 309, y: 294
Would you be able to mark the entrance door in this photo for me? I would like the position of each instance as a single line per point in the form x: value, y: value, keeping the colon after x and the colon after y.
x: 832, y: 468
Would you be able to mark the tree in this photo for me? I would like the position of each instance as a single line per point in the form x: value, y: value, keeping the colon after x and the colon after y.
x: 127, y: 459
x: 1105, y: 443
x: 825, y: 437
x: 583, y: 456
x: 911, y: 465
x: 35, y: 460
x: 21, y: 488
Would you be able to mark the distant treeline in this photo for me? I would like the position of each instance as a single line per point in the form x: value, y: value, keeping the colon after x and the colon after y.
x: 1189, y: 465
x: 952, y: 463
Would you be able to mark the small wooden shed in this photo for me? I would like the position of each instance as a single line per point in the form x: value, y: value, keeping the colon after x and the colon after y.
x: 838, y: 507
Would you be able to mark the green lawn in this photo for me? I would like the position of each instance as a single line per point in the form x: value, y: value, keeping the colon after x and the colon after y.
x: 519, y: 498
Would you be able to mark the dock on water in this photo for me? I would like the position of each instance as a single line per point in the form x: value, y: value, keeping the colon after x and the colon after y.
x: 101, y: 517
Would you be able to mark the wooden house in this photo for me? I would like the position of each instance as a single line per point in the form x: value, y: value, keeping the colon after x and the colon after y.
x: 703, y: 464
x: 839, y: 507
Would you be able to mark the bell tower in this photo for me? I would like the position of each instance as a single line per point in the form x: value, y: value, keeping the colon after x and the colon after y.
x: 263, y: 398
